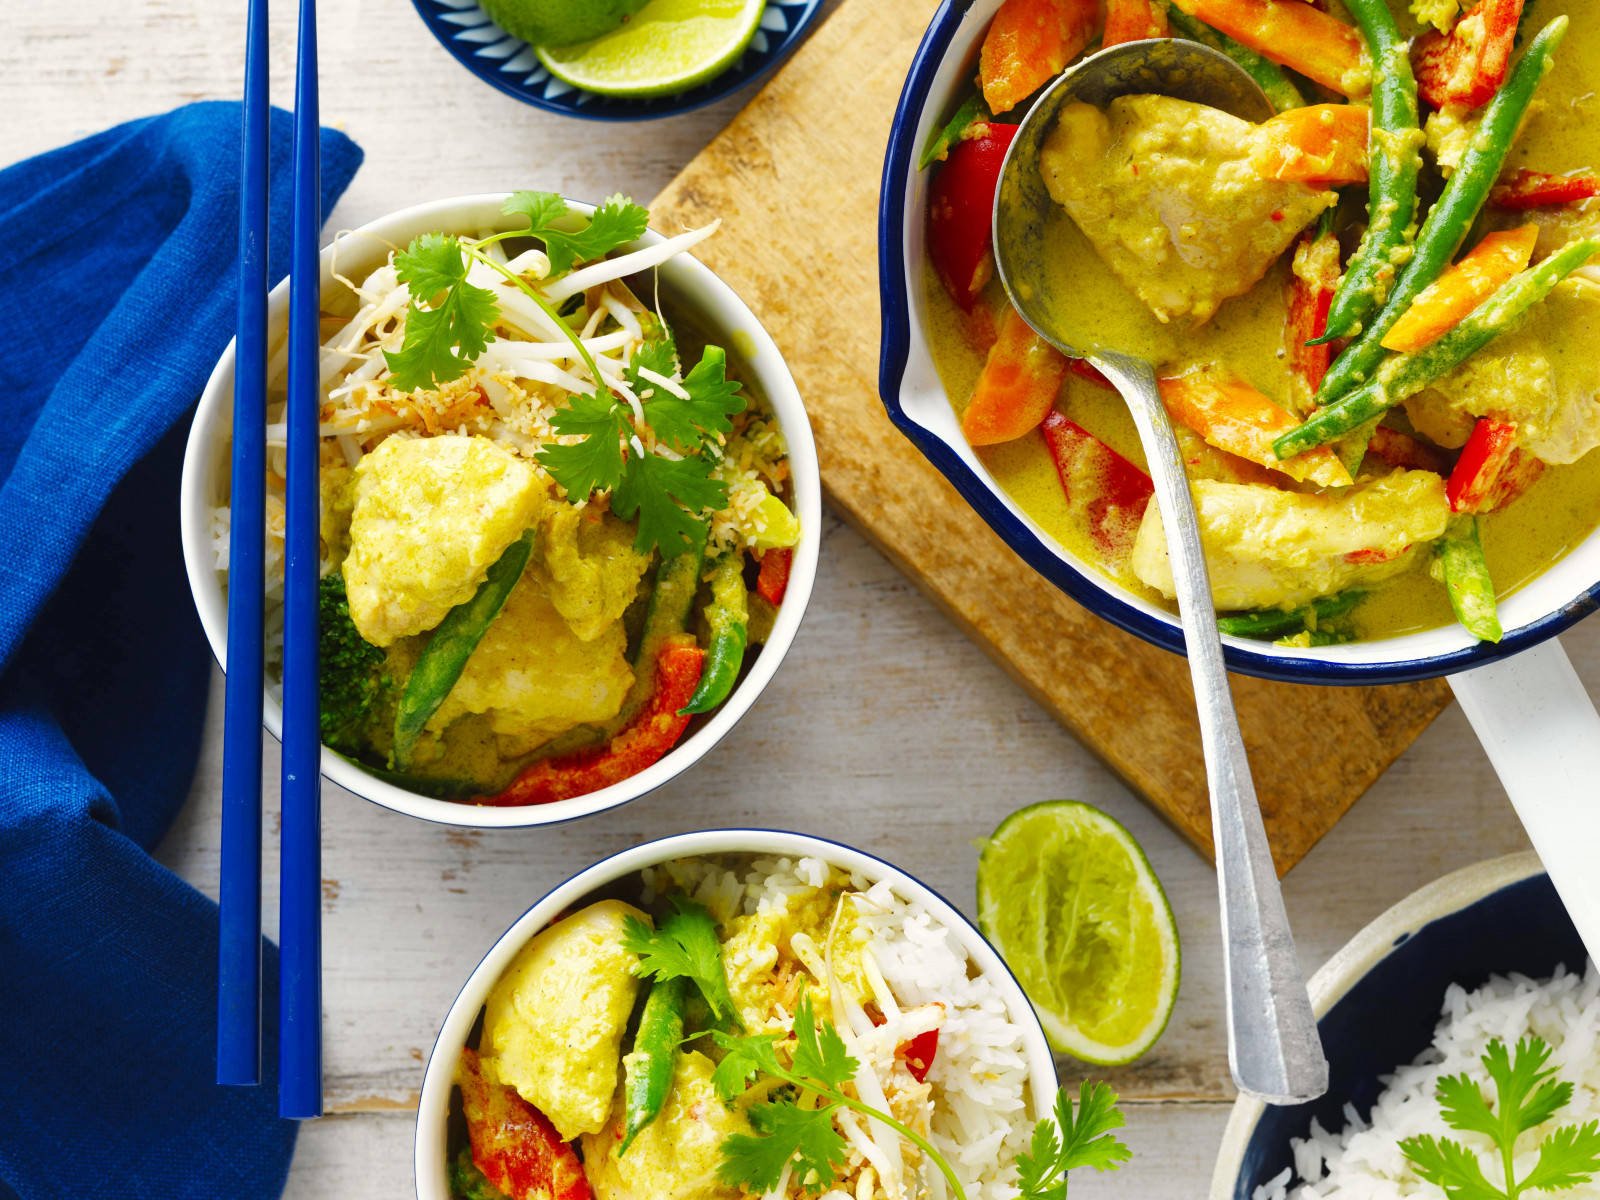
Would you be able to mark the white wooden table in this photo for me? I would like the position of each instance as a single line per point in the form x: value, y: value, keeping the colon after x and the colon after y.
x: 885, y: 727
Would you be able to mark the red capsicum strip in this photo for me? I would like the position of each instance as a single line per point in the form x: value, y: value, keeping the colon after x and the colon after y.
x: 1311, y: 290
x: 1535, y: 189
x: 649, y: 736
x: 514, y: 1144
x: 1465, y: 67
x: 1471, y: 485
x: 960, y: 210
x: 1109, y: 490
x: 918, y: 1054
x: 772, y: 581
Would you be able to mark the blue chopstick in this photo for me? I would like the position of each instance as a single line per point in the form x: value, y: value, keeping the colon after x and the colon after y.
x: 300, y: 898
x: 239, y: 945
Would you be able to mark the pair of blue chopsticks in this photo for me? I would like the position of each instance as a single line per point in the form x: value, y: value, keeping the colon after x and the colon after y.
x: 300, y: 904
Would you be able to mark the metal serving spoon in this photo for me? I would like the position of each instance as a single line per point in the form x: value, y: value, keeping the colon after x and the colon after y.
x: 1273, y: 1047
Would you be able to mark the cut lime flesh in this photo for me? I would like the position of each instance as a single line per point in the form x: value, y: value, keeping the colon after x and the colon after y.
x: 667, y: 46
x: 1071, y: 903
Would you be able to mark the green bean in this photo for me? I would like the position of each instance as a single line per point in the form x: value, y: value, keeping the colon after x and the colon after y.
x: 648, y: 1067
x: 1466, y: 578
x: 1404, y: 375
x: 1265, y: 624
x: 969, y: 114
x: 1452, y: 215
x: 1282, y: 94
x: 445, y: 656
x: 1395, y: 151
x: 729, y: 617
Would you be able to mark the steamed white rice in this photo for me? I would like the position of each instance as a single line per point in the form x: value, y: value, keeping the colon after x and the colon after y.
x: 1363, y: 1161
x: 979, y: 1116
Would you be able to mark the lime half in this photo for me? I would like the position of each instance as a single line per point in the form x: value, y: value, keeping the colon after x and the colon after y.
x: 667, y: 46
x: 1069, y: 900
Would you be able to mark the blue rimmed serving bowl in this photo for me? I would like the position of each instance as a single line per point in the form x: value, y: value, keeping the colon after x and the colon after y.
x: 916, y: 401
x: 509, y: 64
x: 1379, y: 999
x: 433, y: 1109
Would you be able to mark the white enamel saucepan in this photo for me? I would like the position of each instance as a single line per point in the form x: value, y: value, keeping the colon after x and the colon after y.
x: 1522, y: 696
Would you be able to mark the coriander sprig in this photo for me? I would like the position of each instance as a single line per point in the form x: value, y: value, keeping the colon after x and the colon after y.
x: 666, y: 485
x: 1528, y: 1096
x: 683, y: 946
x: 819, y: 1063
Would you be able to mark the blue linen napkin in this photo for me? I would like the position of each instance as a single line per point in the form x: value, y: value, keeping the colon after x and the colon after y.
x: 117, y: 295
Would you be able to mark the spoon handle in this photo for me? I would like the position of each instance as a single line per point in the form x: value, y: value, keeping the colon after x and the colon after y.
x: 1274, y: 1049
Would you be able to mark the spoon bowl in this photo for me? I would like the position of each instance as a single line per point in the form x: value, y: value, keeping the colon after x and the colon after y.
x: 1273, y: 1048
x: 1024, y: 211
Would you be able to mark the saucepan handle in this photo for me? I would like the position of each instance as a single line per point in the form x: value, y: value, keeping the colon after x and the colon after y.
x: 1542, y: 733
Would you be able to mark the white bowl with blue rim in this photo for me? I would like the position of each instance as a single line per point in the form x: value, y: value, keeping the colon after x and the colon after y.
x: 1524, y: 699
x: 510, y: 64
x: 691, y: 288
x: 431, y: 1152
x: 1379, y: 999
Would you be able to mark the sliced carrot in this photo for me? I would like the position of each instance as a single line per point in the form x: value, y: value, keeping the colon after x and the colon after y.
x: 1323, y: 144
x: 1462, y: 287
x: 1134, y: 20
x: 1030, y: 41
x: 1535, y: 189
x: 1233, y: 416
x: 1018, y: 385
x: 1293, y: 33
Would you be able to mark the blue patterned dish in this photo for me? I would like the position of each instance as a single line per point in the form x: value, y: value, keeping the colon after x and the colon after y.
x: 509, y: 63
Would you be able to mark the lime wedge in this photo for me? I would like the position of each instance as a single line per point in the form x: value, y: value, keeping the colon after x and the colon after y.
x: 667, y: 46
x: 558, y: 21
x: 1069, y: 900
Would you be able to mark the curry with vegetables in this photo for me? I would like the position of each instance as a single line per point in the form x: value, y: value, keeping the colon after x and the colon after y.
x: 555, y: 527
x: 733, y: 1027
x: 1375, y: 315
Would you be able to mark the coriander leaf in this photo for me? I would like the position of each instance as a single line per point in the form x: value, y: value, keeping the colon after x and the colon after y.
x: 1528, y: 1096
x: 660, y: 356
x: 787, y: 1133
x: 615, y: 222
x: 1038, y: 1173
x: 540, y: 208
x: 820, y: 1054
x: 743, y: 1059
x: 1463, y: 1107
x: 1568, y: 1157
x: 689, y: 422
x: 459, y: 315
x: 592, y: 465
x: 1449, y: 1165
x: 1088, y: 1141
x: 665, y: 494
x: 1068, y: 1141
x: 684, y: 946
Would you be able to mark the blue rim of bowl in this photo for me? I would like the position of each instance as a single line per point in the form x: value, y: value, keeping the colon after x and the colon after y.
x: 595, y: 868
x: 895, y: 355
x: 510, y: 65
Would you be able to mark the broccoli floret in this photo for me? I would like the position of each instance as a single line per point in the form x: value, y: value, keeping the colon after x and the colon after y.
x: 469, y: 1183
x: 352, y: 673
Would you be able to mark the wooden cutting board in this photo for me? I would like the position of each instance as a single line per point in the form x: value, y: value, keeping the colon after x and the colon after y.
x: 795, y: 180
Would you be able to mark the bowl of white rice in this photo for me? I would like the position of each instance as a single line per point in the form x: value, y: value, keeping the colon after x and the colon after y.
x: 1485, y: 953
x: 920, y: 966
